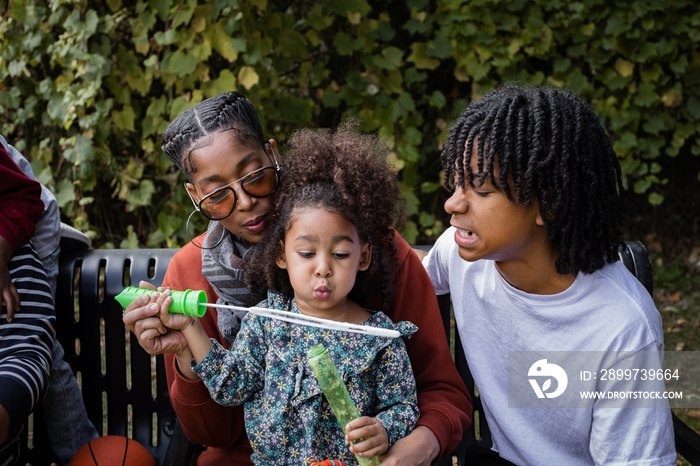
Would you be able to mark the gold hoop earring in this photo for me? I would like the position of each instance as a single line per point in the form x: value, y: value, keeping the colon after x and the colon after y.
x: 187, y: 232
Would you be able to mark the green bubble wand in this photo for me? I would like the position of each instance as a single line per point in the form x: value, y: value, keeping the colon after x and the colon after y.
x: 193, y: 303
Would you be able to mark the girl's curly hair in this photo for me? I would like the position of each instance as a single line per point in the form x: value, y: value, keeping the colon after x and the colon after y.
x: 549, y: 146
x: 345, y: 172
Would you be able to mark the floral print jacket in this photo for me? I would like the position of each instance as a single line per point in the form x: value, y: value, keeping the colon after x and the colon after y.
x: 287, y: 418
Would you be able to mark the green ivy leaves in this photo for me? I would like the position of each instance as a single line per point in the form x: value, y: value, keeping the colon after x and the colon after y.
x: 87, y: 88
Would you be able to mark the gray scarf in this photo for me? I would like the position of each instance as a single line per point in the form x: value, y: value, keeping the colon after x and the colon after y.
x: 222, y: 267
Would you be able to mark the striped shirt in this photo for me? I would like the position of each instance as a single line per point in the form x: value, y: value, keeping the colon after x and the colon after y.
x: 26, y: 342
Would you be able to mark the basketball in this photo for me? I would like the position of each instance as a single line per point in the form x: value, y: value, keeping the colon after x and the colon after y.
x: 112, y: 450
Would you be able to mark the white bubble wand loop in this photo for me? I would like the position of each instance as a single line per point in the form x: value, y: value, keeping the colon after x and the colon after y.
x: 310, y: 321
x: 193, y: 303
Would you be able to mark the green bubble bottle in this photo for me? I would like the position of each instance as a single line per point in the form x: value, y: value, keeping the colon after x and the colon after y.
x: 188, y: 302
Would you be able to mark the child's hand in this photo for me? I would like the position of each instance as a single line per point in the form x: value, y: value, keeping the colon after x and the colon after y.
x: 8, y: 292
x: 171, y: 321
x: 376, y: 440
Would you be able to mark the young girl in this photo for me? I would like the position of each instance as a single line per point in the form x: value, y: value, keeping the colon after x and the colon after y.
x: 331, y: 239
x: 218, y: 144
x: 531, y: 263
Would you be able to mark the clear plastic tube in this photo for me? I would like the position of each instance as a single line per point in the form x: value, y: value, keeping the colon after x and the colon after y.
x: 336, y: 393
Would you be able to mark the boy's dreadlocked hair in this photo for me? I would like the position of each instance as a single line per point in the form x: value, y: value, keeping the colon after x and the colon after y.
x: 548, y: 145
x: 229, y: 111
x: 344, y: 172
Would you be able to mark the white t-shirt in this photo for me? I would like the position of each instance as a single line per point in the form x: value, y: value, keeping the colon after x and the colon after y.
x: 608, y: 310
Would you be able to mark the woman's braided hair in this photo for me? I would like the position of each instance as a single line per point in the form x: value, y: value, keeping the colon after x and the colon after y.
x: 229, y: 111
x: 345, y: 172
x: 550, y: 146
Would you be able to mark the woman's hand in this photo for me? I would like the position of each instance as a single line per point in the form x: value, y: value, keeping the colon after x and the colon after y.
x: 376, y: 440
x: 420, y: 447
x: 158, y: 331
x: 143, y: 318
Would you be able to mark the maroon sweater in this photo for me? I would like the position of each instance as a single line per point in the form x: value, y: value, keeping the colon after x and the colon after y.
x: 20, y: 202
x: 443, y: 400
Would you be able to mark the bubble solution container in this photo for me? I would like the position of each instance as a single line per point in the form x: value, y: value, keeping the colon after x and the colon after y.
x: 186, y: 302
x: 336, y: 393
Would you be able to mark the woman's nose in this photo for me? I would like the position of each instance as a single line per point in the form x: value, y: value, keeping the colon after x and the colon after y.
x: 245, y: 201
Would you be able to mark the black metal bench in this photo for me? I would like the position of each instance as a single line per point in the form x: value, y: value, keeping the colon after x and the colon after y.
x: 124, y: 389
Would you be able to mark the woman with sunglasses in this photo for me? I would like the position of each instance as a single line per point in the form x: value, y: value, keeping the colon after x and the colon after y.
x: 231, y: 175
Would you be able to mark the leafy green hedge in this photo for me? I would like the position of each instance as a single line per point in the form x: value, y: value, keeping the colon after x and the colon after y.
x: 87, y: 88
